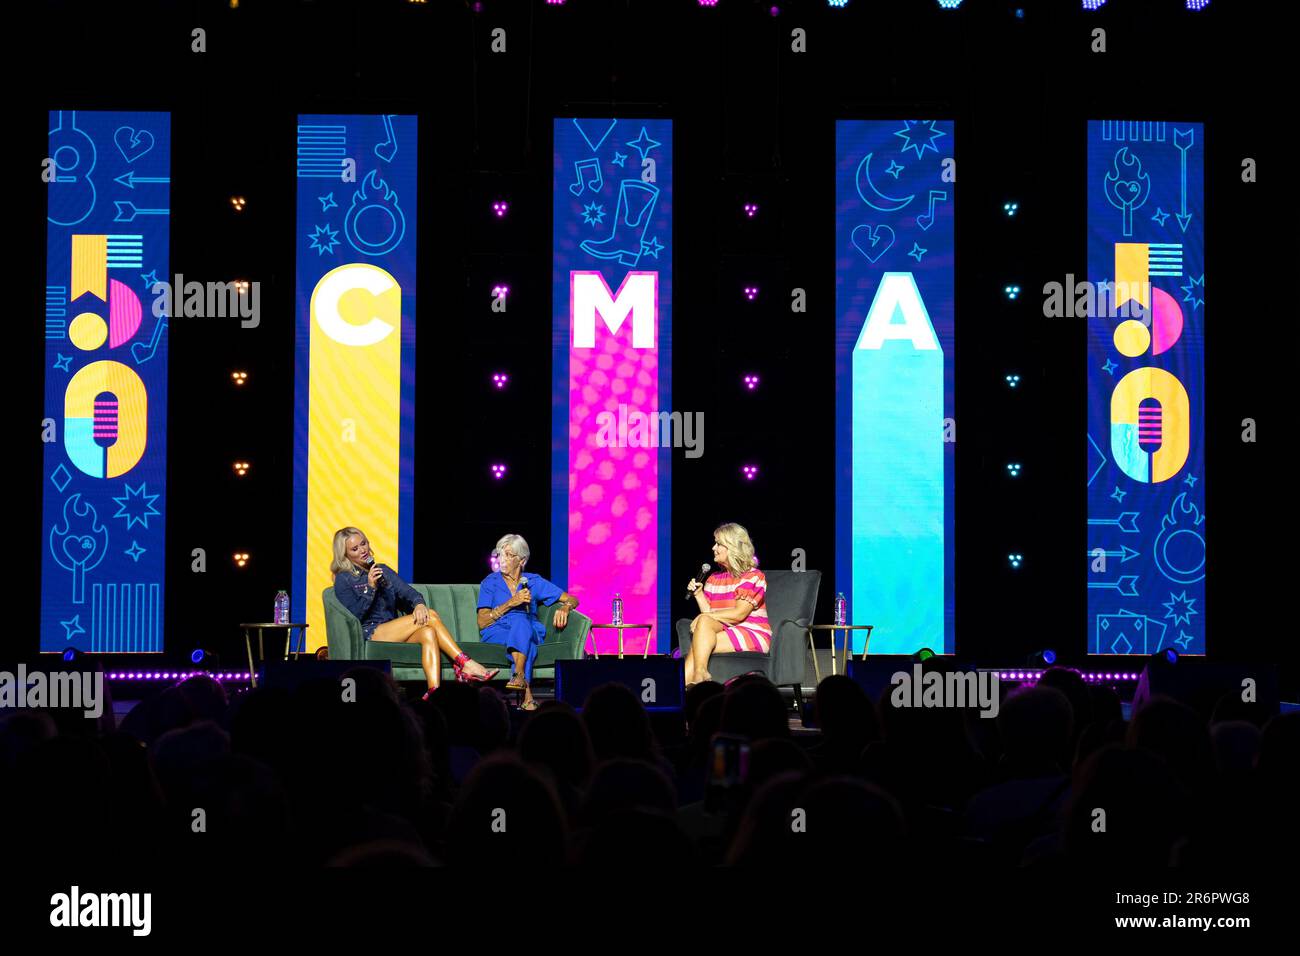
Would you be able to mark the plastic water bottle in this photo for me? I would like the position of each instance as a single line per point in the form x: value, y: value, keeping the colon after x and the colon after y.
x: 618, y: 609
x: 281, y: 607
x: 841, y: 609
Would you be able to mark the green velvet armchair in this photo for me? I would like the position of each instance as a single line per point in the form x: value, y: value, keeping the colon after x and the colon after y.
x: 457, y: 605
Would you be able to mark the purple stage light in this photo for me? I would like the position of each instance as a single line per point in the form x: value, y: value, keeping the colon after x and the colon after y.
x: 751, y: 382
x: 774, y: 10
x: 749, y: 471
x: 707, y: 3
x: 494, y: 562
x: 498, y: 471
x: 1197, y: 4
x: 501, y: 207
x: 500, y: 379
x: 751, y: 209
x: 1093, y: 4
x: 501, y: 289
x: 751, y: 292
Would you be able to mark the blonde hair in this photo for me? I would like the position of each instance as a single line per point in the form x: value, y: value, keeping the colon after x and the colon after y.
x: 740, y: 549
x: 341, y: 561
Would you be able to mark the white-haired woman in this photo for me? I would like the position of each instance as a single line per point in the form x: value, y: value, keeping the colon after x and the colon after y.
x: 507, y: 610
x: 373, y: 593
x: 732, y: 602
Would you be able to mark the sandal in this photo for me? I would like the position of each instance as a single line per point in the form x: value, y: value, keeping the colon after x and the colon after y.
x: 529, y: 704
x: 516, y: 682
x: 462, y: 677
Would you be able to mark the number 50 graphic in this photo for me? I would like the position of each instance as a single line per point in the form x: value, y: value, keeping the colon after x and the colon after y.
x: 105, y: 404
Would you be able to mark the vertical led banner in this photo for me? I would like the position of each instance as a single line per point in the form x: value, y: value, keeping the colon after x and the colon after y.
x: 1145, y: 302
x: 612, y: 362
x: 354, y: 370
x: 105, y: 464
x: 894, y: 406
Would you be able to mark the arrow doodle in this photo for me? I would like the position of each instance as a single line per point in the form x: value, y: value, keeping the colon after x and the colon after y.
x: 129, y: 179
x: 1183, y: 139
x: 1125, y: 553
x: 1125, y: 585
x: 127, y: 211
x: 1126, y: 522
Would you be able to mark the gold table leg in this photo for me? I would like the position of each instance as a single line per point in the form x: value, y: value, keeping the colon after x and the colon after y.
x: 248, y: 643
x: 812, y: 648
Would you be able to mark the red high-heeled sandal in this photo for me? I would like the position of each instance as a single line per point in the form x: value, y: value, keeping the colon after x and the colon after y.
x: 458, y: 666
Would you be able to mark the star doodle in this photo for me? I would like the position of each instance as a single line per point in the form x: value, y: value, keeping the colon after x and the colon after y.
x: 1179, y: 607
x: 1183, y: 638
x: 1118, y: 494
x: 73, y: 627
x: 324, y: 240
x: 593, y: 214
x: 135, y: 551
x: 921, y: 130
x: 619, y: 158
x: 917, y: 251
x: 1192, y: 285
x: 1160, y: 216
x: 1190, y: 480
x: 1110, y: 367
x: 894, y: 169
x: 643, y: 144
x: 136, y: 506
x: 150, y: 278
x: 327, y: 202
x: 62, y: 362
x: 653, y: 247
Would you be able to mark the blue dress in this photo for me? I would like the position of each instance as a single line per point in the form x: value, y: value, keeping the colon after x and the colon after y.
x: 518, y: 628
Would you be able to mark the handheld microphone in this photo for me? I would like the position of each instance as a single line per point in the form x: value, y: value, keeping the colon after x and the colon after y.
x: 704, y: 573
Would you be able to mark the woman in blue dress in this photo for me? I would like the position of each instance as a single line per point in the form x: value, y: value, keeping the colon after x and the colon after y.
x: 507, y: 610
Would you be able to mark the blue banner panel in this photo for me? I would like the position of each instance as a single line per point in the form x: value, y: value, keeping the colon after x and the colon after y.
x: 354, y: 362
x: 1145, y: 302
x: 105, y: 465
x: 894, y: 407
x: 612, y: 428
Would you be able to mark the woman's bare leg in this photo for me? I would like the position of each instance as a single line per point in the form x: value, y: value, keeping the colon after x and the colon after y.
x: 403, y: 630
x: 451, y: 648
x: 702, y: 644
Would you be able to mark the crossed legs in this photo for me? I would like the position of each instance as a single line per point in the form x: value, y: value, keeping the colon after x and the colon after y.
x: 434, y: 640
x: 705, y: 641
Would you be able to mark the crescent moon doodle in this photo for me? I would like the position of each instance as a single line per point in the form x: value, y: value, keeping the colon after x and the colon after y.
x: 863, y: 177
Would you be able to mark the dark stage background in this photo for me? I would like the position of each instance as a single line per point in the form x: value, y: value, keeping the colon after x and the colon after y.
x: 753, y: 122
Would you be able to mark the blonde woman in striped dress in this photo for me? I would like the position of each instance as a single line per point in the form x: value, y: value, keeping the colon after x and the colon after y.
x: 732, y: 603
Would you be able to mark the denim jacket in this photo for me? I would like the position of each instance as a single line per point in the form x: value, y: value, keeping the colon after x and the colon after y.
x: 374, y: 606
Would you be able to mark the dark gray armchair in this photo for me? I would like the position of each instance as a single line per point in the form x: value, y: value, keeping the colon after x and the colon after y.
x: 791, y: 600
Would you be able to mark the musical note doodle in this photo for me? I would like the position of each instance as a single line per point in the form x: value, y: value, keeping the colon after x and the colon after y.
x: 388, y: 148
x: 595, y: 182
x: 926, y: 219
x: 143, y: 353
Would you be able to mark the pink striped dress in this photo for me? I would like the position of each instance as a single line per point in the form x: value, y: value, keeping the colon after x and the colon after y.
x: 724, y: 591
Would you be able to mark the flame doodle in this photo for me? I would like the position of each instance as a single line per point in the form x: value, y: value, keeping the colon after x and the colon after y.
x: 384, y: 201
x: 1174, y: 525
x: 78, y: 543
x: 1127, y: 189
